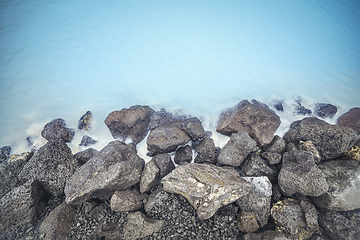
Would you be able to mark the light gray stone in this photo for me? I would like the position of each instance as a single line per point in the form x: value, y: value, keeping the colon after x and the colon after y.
x: 127, y: 200
x: 57, y: 129
x: 164, y: 163
x: 149, y: 176
x: 140, y: 226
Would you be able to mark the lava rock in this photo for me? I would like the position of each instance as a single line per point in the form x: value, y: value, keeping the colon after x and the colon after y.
x: 116, y: 167
x: 52, y: 165
x: 350, y: 119
x: 300, y: 174
x: 163, y: 118
x: 205, y: 151
x: 84, y: 122
x: 87, y: 141
x: 247, y: 222
x: 330, y: 140
x: 256, y: 166
x: 301, y: 110
x: 165, y: 140
x: 342, y: 176
x: 273, y: 158
x: 236, y: 149
x: 206, y: 187
x: 127, y: 200
x: 129, y: 123
x: 310, y: 147
x: 164, y: 163
x: 269, y: 235
x: 279, y: 106
x: 193, y: 128
x: 277, y: 145
x: 183, y: 154
x: 149, y: 176
x: 140, y: 226
x: 325, y: 110
x: 254, y: 118
x: 84, y: 156
x: 57, y: 129
x: 5, y: 153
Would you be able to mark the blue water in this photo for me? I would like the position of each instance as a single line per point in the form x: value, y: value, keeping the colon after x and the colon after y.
x: 62, y: 58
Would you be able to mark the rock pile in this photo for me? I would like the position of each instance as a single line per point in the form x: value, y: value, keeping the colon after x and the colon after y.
x: 258, y: 186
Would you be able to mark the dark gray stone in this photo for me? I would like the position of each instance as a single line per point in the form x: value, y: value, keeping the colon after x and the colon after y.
x: 255, y: 118
x: 5, y: 153
x: 300, y: 174
x: 57, y: 129
x: 129, y: 123
x: 256, y: 166
x: 84, y: 156
x: 310, y: 147
x: 193, y: 128
x: 116, y: 167
x: 127, y: 201
x: 273, y: 158
x: 301, y: 110
x: 247, y: 222
x: 205, y: 151
x: 87, y: 141
x: 84, y: 122
x: 183, y: 154
x: 279, y: 106
x: 163, y: 118
x: 325, y: 110
x: 140, y: 226
x: 330, y: 140
x: 52, y: 165
x: 164, y: 163
x: 277, y: 145
x: 236, y: 149
x: 350, y: 119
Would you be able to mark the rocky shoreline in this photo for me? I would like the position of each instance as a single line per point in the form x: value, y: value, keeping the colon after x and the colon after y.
x: 304, y: 185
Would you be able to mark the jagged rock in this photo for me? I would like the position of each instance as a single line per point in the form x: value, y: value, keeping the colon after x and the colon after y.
x: 163, y: 118
x: 140, y: 226
x: 272, y: 157
x: 206, y: 187
x: 165, y: 140
x: 277, y: 145
x: 164, y: 163
x: 57, y: 224
x: 276, y: 192
x: 247, y: 222
x: 84, y: 156
x: 330, y: 140
x: 236, y: 149
x: 149, y: 176
x: 350, y: 119
x: 52, y: 165
x: 116, y: 167
x: 279, y: 106
x: 254, y: 118
x: 9, y: 171
x: 84, y: 122
x: 193, y: 128
x: 57, y: 129
x: 86, y: 141
x: 257, y: 201
x: 298, y: 218
x: 342, y: 176
x: 5, y: 153
x: 129, y: 123
x: 20, y: 206
x: 340, y: 226
x: 127, y: 200
x: 300, y: 174
x: 309, y: 146
x: 183, y: 154
x: 269, y: 235
x: 256, y: 166
x: 325, y: 110
x: 205, y: 151
x: 301, y: 110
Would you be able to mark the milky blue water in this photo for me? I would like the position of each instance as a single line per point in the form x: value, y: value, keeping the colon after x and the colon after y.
x: 62, y: 58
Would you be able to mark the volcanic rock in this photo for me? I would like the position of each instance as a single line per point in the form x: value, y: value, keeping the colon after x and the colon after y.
x: 183, y: 154
x: 350, y: 119
x: 269, y: 235
x: 309, y: 146
x: 86, y: 141
x: 140, y: 226
x: 256, y: 166
x: 149, y: 176
x: 84, y: 122
x: 247, y: 222
x: 164, y: 163
x: 84, y: 156
x: 273, y: 158
x: 127, y: 200
x: 5, y: 153
x: 325, y: 110
x: 277, y: 145
x: 193, y: 128
x: 57, y: 129
x: 205, y: 151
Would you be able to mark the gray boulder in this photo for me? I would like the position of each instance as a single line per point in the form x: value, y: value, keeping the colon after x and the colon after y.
x: 325, y: 110
x: 149, y: 176
x: 164, y: 163
x: 57, y: 224
x: 140, y: 226
x: 116, y: 167
x: 300, y: 174
x: 205, y: 151
x: 183, y: 154
x: 272, y: 157
x: 277, y: 145
x: 165, y: 140
x: 236, y: 149
x: 247, y: 222
x: 52, y: 165
x: 342, y: 176
x: 310, y: 147
x: 330, y: 140
x: 84, y: 122
x: 256, y: 166
x: 84, y: 156
x: 57, y: 129
x: 255, y: 118
x: 87, y: 141
x: 350, y: 119
x: 5, y: 152
x: 129, y: 123
x: 206, y: 187
x: 127, y: 200
x: 193, y: 128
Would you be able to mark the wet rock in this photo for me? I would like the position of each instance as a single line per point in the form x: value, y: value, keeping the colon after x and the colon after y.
x: 87, y: 141
x: 206, y: 187
x: 277, y: 145
x: 300, y: 174
x: 269, y: 235
x: 84, y: 156
x: 19, y: 206
x: 52, y: 165
x: 325, y: 110
x: 140, y: 226
x: 9, y: 171
x: 84, y: 122
x: 205, y: 151
x: 165, y: 140
x: 236, y: 149
x: 116, y: 167
x: 340, y: 226
x: 342, y: 176
x: 163, y: 118
x: 301, y: 110
x: 183, y: 154
x: 127, y: 200
x: 310, y: 147
x: 164, y: 163
x: 256, y: 166
x: 295, y: 217
x: 273, y: 158
x: 350, y: 119
x: 57, y: 129
x: 254, y: 118
x: 330, y: 140
x: 129, y: 123
x: 57, y: 224
x: 279, y: 106
x: 247, y: 222
x: 257, y: 202
x: 5, y: 153
x: 149, y: 176
x: 193, y: 128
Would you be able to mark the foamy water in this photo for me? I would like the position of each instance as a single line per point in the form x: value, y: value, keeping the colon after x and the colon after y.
x: 62, y: 58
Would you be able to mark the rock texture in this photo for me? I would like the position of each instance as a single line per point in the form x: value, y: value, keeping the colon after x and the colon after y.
x: 84, y: 122
x: 5, y: 153
x: 149, y: 176
x: 164, y: 163
x: 206, y: 187
x: 205, y: 151
x: 254, y: 118
x: 127, y: 200
x: 116, y: 167
x: 343, y: 178
x: 87, y: 141
x: 277, y: 145
x: 330, y: 140
x: 129, y: 123
x: 84, y: 156
x: 140, y: 226
x: 256, y: 166
x: 183, y: 154
x: 325, y: 110
x: 350, y: 119
x: 57, y: 129
x: 52, y: 165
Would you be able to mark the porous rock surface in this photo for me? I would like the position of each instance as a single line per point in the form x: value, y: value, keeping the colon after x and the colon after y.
x: 127, y: 200
x: 205, y: 151
x: 164, y: 163
x: 84, y: 122
x: 57, y: 129
x: 256, y: 166
x: 149, y: 176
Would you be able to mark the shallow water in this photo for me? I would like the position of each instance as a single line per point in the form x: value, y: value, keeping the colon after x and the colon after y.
x: 62, y: 58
